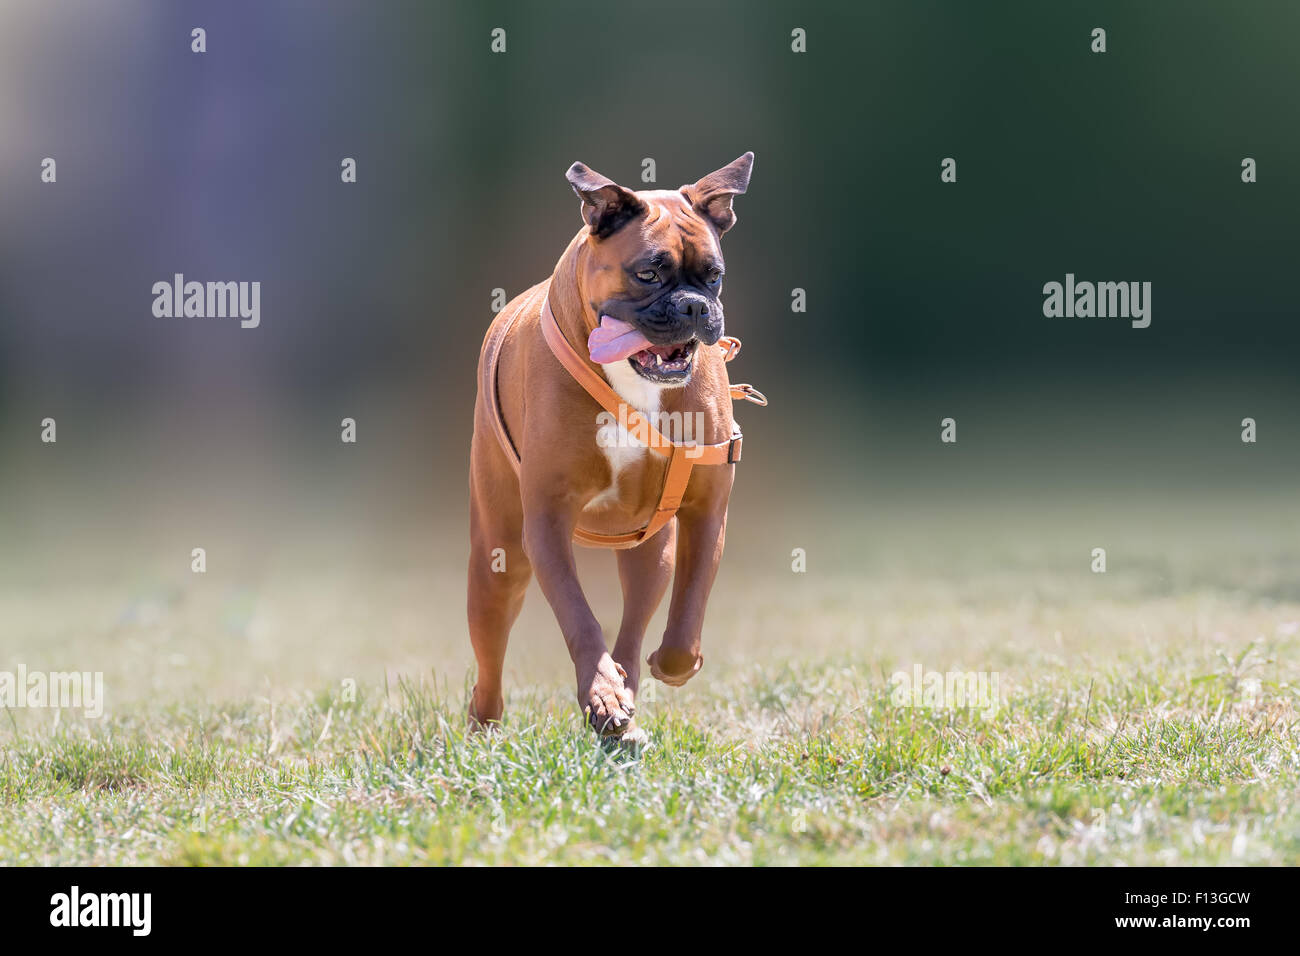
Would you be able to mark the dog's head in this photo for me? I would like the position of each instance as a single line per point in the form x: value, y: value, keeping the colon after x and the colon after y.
x: 653, y: 278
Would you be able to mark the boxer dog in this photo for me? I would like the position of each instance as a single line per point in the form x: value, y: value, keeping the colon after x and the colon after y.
x: 633, y: 305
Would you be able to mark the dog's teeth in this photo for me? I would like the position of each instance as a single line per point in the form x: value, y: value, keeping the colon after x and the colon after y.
x: 660, y: 359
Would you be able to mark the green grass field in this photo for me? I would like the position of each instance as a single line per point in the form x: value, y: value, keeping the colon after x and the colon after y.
x: 1148, y: 714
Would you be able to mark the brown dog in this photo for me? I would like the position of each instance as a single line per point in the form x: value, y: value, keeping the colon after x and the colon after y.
x: 635, y: 297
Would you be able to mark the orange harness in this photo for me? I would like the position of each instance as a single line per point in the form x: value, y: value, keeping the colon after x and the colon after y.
x: 682, y: 456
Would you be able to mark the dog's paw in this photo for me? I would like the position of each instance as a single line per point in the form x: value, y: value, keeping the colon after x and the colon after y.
x: 674, y: 667
x: 484, y: 713
x: 605, y: 699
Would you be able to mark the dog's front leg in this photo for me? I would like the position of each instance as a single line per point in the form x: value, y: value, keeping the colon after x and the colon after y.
x: 644, y: 572
x: 701, y: 531
x: 548, y: 542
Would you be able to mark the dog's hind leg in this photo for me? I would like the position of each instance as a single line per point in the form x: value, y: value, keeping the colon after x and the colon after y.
x: 644, y: 572
x: 499, y: 573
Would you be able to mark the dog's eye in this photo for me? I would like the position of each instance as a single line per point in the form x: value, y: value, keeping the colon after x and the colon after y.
x: 714, y: 277
x: 647, y: 275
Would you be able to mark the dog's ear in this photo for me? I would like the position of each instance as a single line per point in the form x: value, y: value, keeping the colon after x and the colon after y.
x: 605, y: 204
x: 712, y: 194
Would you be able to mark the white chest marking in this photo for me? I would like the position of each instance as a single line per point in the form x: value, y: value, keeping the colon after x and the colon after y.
x: 620, y: 448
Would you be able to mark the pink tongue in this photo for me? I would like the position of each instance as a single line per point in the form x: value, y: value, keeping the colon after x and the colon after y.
x: 614, y: 340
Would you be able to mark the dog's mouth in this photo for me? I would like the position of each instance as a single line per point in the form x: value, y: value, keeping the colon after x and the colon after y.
x: 615, y: 339
x: 665, y: 363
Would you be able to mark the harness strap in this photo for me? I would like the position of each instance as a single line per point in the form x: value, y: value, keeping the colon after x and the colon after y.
x: 682, y: 456
x: 636, y: 424
x: 487, y: 385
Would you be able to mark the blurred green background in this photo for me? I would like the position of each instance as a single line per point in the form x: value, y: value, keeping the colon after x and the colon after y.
x: 924, y: 298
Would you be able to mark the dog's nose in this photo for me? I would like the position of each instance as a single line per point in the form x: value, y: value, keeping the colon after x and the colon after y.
x: 692, y: 308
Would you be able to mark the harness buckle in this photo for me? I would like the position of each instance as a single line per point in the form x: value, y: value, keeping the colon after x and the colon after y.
x: 750, y: 394
x: 733, y: 450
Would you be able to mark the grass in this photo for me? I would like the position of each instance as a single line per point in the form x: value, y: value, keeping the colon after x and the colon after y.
x: 1149, y: 716
x: 807, y: 763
